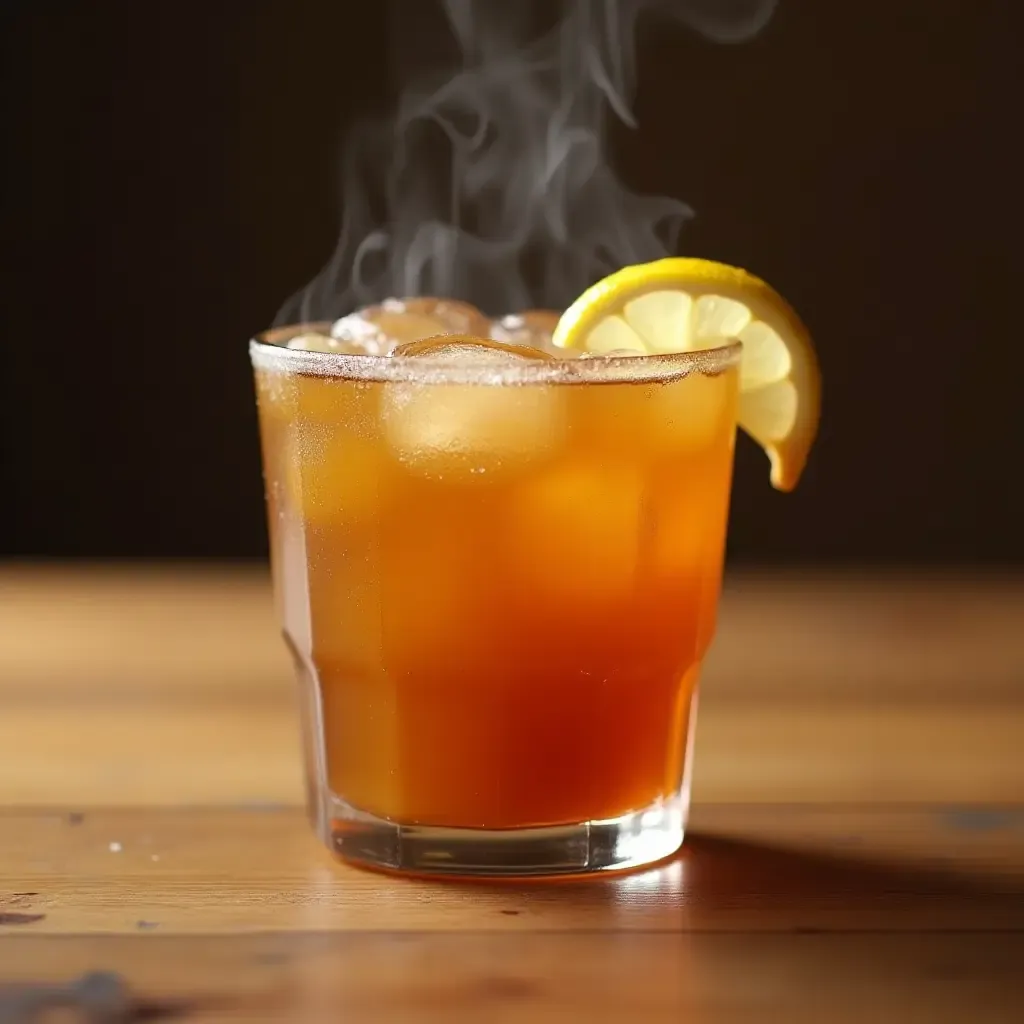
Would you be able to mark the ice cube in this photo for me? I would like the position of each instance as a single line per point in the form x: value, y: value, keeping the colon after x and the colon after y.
x: 467, y: 432
x: 358, y: 333
x: 533, y: 327
x: 336, y: 458
x: 380, y: 329
x: 687, y: 545
x: 429, y: 579
x: 344, y: 579
x: 690, y: 415
x: 313, y: 342
x: 469, y: 350
x: 336, y: 479
x: 690, y: 516
x: 576, y: 532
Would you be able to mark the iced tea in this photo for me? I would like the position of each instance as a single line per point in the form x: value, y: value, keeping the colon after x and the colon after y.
x: 498, y: 575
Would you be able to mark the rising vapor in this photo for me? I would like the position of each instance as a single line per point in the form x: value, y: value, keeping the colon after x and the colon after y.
x: 494, y: 183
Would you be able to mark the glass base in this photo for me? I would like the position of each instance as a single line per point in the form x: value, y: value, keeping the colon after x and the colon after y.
x: 614, y: 844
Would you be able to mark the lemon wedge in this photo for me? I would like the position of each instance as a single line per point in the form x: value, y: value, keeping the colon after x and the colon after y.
x: 681, y: 305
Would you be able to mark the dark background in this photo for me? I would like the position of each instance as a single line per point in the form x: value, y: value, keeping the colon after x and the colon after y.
x: 171, y: 179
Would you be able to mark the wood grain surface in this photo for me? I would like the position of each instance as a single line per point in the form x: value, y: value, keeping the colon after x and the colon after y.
x: 856, y: 849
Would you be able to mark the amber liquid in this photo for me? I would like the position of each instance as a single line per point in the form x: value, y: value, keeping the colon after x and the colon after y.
x: 499, y: 596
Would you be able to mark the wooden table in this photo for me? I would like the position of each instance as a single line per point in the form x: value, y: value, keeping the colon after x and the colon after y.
x: 857, y: 849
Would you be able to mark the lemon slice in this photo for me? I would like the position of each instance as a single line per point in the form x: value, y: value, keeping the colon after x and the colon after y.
x: 681, y: 305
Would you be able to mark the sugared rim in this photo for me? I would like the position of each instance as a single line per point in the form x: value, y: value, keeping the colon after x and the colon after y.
x: 268, y: 352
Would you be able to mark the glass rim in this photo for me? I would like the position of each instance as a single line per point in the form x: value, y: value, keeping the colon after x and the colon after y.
x: 268, y: 352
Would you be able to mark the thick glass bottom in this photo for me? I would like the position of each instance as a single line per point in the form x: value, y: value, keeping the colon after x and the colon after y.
x: 629, y: 841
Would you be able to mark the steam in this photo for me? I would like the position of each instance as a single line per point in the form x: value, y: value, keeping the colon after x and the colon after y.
x: 493, y: 184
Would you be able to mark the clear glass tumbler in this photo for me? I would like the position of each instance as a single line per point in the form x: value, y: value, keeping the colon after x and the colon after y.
x: 498, y: 581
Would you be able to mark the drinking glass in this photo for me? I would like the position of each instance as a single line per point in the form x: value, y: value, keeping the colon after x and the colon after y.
x: 498, y: 579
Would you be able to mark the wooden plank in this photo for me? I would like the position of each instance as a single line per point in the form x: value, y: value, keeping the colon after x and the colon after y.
x: 818, y: 689
x: 752, y: 868
x: 855, y: 854
x: 203, y: 753
x: 216, y: 752
x: 412, y: 978
x: 94, y: 633
x: 211, y: 629
x: 882, y: 638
